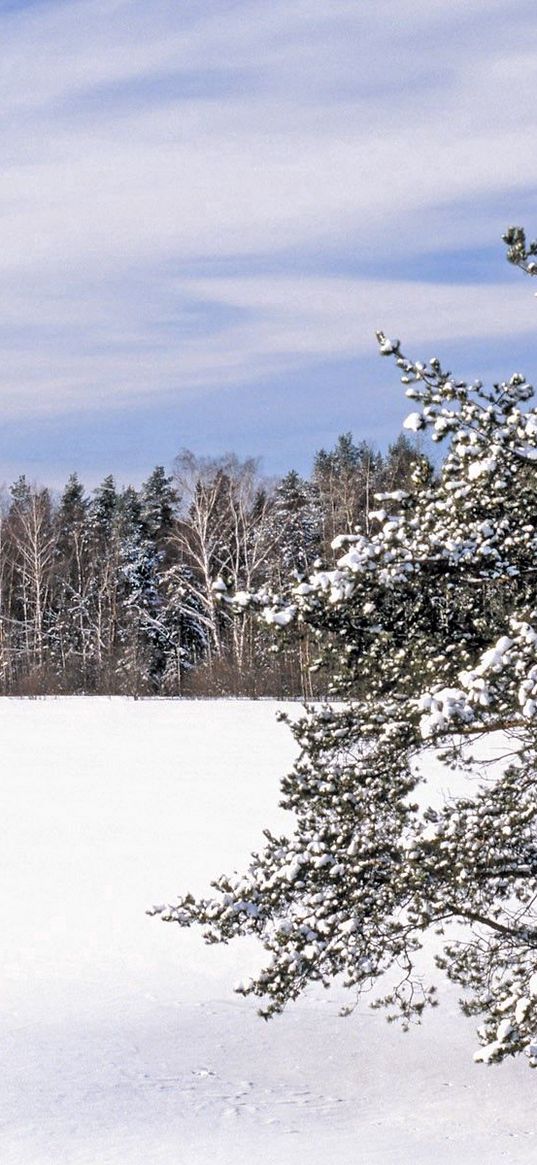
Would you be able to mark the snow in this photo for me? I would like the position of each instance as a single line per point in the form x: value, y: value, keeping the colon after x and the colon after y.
x: 122, y: 1041
x: 480, y: 467
x: 414, y: 422
x: 387, y: 347
x: 279, y: 618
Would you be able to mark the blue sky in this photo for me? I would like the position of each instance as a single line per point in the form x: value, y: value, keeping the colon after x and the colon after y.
x: 207, y: 209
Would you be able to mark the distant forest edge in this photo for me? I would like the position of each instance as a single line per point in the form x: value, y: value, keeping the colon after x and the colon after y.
x: 114, y: 593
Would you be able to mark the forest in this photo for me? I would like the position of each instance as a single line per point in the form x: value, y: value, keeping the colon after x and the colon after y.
x: 120, y: 590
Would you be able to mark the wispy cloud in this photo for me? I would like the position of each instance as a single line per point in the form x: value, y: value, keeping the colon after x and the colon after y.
x: 201, y: 333
x: 183, y: 187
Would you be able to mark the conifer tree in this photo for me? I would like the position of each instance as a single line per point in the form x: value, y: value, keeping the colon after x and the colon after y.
x: 142, y: 635
x: 105, y: 555
x: 297, y: 517
x: 378, y: 862
x: 345, y: 478
x: 71, y: 633
x: 159, y: 500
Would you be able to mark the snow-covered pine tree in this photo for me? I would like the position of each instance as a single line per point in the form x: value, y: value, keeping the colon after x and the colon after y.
x: 345, y: 478
x: 433, y: 618
x: 183, y: 625
x: 398, y: 464
x: 297, y: 518
x: 102, y: 606
x: 139, y: 632
x: 159, y: 505
x: 70, y: 634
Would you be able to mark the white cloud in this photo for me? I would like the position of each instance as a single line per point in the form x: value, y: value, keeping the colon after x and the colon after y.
x: 273, y: 168
x: 262, y: 326
x: 141, y: 140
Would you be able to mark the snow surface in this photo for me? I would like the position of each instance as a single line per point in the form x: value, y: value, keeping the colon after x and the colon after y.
x: 122, y: 1042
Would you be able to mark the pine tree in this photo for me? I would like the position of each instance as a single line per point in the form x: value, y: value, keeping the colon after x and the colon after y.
x: 159, y: 506
x: 184, y: 629
x: 399, y: 464
x: 105, y: 558
x: 345, y: 478
x: 141, y: 632
x: 104, y: 507
x: 70, y: 628
x: 297, y: 517
x: 379, y: 861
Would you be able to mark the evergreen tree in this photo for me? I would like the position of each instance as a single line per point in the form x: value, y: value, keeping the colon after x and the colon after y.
x: 159, y: 500
x: 105, y: 557
x: 184, y: 628
x: 21, y: 494
x: 297, y: 518
x: 73, y: 508
x: 399, y: 464
x: 71, y: 632
x: 378, y: 860
x: 103, y: 509
x: 346, y: 478
x: 141, y: 638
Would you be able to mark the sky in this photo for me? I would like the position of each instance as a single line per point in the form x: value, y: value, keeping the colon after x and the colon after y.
x: 208, y: 208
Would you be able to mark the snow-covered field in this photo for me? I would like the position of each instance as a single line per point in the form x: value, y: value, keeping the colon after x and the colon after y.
x: 122, y: 1042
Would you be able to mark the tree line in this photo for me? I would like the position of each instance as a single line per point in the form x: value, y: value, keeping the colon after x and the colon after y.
x: 119, y: 591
